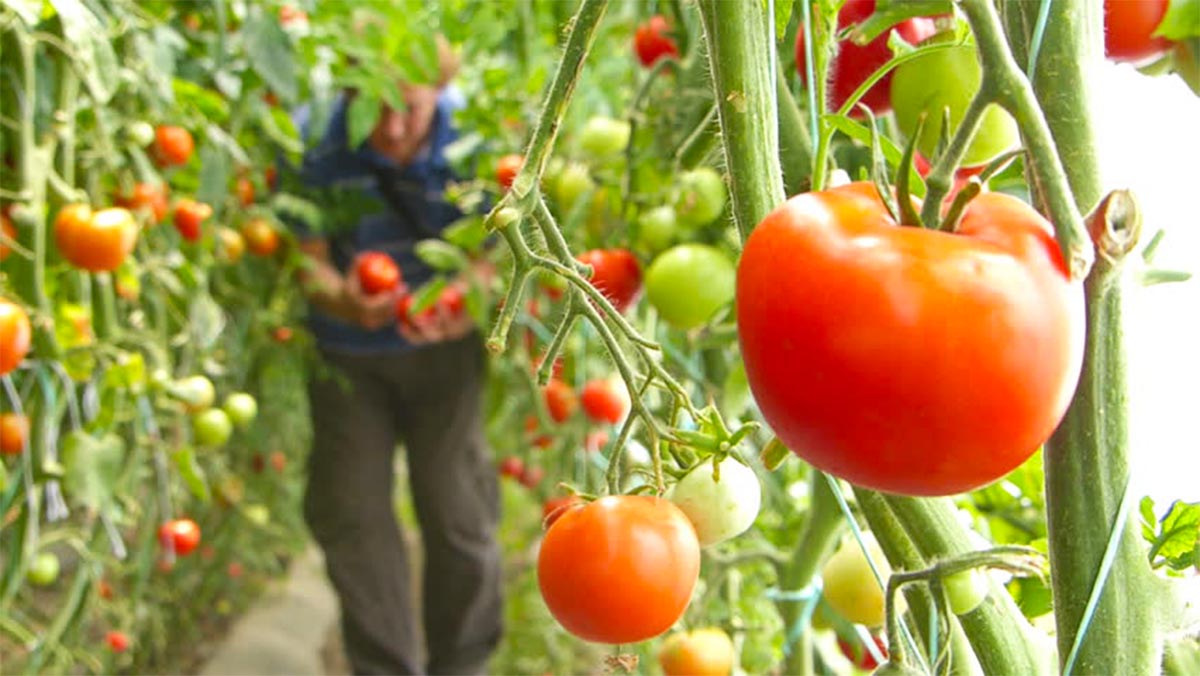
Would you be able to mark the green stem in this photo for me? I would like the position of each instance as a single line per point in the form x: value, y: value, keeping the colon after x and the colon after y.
x: 1002, y: 638
x: 739, y: 42
x: 1004, y: 78
x: 941, y: 177
x: 795, y: 145
x: 1087, y: 474
x: 821, y: 529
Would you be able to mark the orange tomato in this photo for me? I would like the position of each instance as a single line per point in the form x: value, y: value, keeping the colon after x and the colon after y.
x: 172, y: 145
x: 561, y: 400
x: 230, y: 245
x: 507, y: 168
x: 14, y: 430
x: 619, y: 570
x: 245, y: 191
x: 146, y: 196
x: 95, y: 241
x: 15, y: 334
x: 261, y: 237
x: 700, y: 652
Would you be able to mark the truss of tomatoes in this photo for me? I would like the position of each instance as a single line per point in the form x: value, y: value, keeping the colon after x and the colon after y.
x: 903, y: 359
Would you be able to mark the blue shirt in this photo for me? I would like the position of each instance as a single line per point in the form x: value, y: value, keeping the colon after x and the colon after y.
x: 406, y: 205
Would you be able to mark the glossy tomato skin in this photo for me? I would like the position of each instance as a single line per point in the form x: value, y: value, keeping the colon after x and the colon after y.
x: 620, y: 569
x: 651, y: 41
x: 172, y: 145
x: 15, y: 335
x: 99, y: 244
x: 605, y: 400
x: 261, y: 237
x: 507, y: 168
x: 1129, y: 27
x: 616, y: 273
x: 854, y: 63
x: 14, y: 430
x: 377, y: 272
x: 189, y: 216
x: 700, y: 652
x: 908, y: 360
x: 561, y: 400
x: 182, y: 534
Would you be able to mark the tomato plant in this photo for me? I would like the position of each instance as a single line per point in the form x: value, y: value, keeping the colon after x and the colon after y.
x: 44, y: 569
x: 720, y: 504
x: 14, y: 431
x: 172, y: 145
x: 189, y: 216
x: 196, y: 392
x: 850, y: 587
x: 854, y: 63
x: 15, y: 335
x: 554, y: 508
x: 180, y: 536
x: 1129, y: 30
x: 512, y: 467
x: 688, y: 283
x: 507, y: 168
x: 616, y: 273
x: 947, y: 79
x: 965, y: 590
x: 701, y: 197
x: 230, y: 244
x: 657, y: 228
x: 620, y: 569
x: 95, y: 241
x: 377, y: 272
x: 605, y: 400
x: 813, y: 324
x: 652, y: 41
x: 699, y: 652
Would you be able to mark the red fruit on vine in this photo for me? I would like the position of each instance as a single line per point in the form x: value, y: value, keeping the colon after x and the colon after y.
x: 616, y: 273
x: 180, y: 535
x: 512, y: 467
x: 118, y: 641
x: 532, y: 476
x: 652, y: 41
x: 172, y: 145
x: 561, y: 401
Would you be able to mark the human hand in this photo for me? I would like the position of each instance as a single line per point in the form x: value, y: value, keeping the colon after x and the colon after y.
x: 445, y: 320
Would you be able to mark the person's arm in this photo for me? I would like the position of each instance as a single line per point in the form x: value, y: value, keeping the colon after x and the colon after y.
x: 341, y: 296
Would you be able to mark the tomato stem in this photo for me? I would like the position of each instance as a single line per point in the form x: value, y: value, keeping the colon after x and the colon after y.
x: 739, y: 36
x: 795, y: 144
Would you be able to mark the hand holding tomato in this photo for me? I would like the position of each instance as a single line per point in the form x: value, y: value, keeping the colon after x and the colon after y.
x: 369, y: 310
x: 445, y: 320
x: 377, y: 272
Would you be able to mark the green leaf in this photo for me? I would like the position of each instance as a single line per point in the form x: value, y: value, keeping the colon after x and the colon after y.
x: 207, y: 320
x: 467, y: 233
x: 280, y: 128
x: 361, y: 117
x: 773, y: 454
x: 1177, y: 540
x: 215, y: 168
x: 783, y: 15
x: 28, y: 11
x: 1181, y: 21
x: 427, y: 295
x: 85, y: 32
x: 93, y: 466
x: 192, y: 473
x: 219, y: 138
x: 441, y: 256
x: 211, y: 105
x: 270, y: 53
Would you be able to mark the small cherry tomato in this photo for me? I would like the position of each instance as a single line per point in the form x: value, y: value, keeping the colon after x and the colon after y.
x: 118, y: 641
x: 150, y: 198
x: 561, y: 401
x: 616, y: 273
x: 699, y: 652
x: 1129, y: 27
x: 605, y: 400
x: 507, y: 168
x: 262, y: 239
x: 245, y: 191
x: 377, y: 272
x: 189, y: 215
x: 14, y: 432
x: 652, y: 41
x: 183, y: 535
x: 95, y: 241
x: 15, y: 335
x: 172, y: 145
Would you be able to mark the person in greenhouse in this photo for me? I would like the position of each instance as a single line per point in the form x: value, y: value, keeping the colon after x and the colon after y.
x: 419, y: 383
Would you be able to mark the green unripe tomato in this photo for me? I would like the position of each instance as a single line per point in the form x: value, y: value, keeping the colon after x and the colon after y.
x: 719, y: 510
x: 211, y: 427
x: 604, y: 137
x: 850, y: 587
x: 656, y: 229
x: 965, y: 590
x: 573, y: 182
x: 140, y: 132
x: 44, y: 569
x: 949, y: 78
x: 241, y: 409
x: 690, y: 282
x: 701, y: 197
x: 196, y: 392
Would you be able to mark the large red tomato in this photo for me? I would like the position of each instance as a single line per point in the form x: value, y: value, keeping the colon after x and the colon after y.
x: 616, y: 273
x: 1129, y: 27
x: 15, y: 334
x: 854, y: 64
x: 619, y: 570
x: 903, y: 359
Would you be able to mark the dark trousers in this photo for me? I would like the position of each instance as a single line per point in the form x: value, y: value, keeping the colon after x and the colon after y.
x: 431, y: 400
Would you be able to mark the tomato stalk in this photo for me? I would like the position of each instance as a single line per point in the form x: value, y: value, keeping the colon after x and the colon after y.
x: 1003, y: 78
x: 795, y: 145
x: 739, y: 37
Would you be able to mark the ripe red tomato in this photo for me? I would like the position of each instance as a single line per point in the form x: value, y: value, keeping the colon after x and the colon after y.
x: 377, y: 272
x: 700, y: 652
x: 10, y: 231
x: 451, y: 298
x: 104, y: 590
x: 620, y: 569
x: 146, y: 196
x: 181, y: 534
x: 652, y: 41
x: 282, y: 334
x: 507, y: 168
x: 1129, y: 27
x: 95, y: 241
x: 854, y: 63
x: 261, y: 237
x: 858, y: 654
x: 118, y: 641
x: 172, y: 145
x: 532, y: 476
x: 14, y: 430
x: 512, y: 467
x: 554, y: 508
x: 605, y: 400
x: 15, y: 334
x: 908, y: 360
x: 616, y: 273
x: 245, y: 191
x: 189, y: 215
x: 560, y: 400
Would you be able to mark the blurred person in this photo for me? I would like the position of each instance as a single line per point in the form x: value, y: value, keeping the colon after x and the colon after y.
x: 418, y: 384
